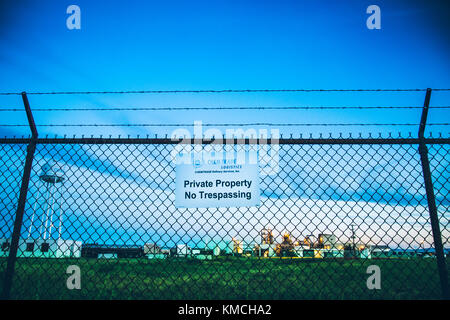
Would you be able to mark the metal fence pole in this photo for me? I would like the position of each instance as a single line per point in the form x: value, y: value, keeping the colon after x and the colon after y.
x: 423, y: 150
x: 7, y: 284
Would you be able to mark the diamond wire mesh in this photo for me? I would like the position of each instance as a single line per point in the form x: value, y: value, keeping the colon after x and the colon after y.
x: 116, y: 198
x: 439, y: 155
x: 12, y: 162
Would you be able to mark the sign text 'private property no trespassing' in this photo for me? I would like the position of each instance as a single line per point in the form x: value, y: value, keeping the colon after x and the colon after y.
x: 217, y: 179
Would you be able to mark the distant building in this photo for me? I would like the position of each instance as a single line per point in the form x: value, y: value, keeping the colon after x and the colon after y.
x: 181, y: 250
x: 95, y: 250
x: 50, y: 248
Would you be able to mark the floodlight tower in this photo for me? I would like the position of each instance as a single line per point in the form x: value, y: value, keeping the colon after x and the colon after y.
x: 52, y: 177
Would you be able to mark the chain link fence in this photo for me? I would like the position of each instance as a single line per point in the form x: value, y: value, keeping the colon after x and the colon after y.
x: 332, y: 209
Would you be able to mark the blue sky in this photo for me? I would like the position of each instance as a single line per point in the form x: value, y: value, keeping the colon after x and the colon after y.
x: 149, y: 45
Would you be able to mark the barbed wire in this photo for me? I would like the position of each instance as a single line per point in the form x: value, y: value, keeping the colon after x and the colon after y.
x: 225, y: 124
x: 221, y: 108
x: 219, y: 91
x: 340, y: 135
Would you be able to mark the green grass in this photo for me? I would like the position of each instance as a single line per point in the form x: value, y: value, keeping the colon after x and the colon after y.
x: 224, y: 278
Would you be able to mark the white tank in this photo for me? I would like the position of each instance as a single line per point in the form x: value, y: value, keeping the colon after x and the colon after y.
x: 51, y: 173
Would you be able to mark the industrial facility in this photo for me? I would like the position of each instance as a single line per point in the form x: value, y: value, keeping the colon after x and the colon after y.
x: 325, y: 246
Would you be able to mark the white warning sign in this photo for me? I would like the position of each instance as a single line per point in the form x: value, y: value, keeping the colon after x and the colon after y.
x: 217, y: 179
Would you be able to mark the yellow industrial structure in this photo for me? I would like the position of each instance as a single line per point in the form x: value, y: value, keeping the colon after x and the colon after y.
x: 326, y: 246
x: 237, y: 246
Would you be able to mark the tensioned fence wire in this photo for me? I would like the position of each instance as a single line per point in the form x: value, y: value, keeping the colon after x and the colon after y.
x: 222, y: 91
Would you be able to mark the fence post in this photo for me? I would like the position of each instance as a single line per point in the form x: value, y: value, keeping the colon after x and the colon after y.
x: 7, y: 284
x: 423, y: 150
